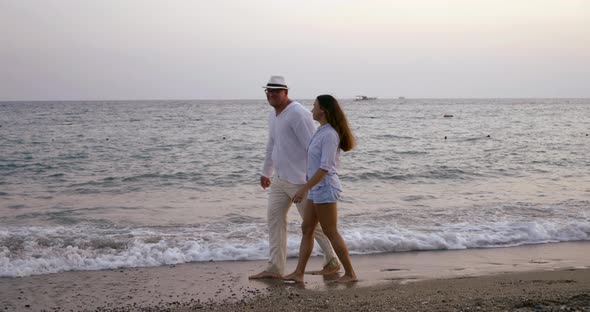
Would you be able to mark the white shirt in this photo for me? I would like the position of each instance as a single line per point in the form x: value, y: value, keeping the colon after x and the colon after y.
x: 324, y: 153
x: 288, y: 136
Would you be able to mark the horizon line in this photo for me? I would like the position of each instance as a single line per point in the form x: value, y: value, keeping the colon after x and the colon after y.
x: 263, y: 99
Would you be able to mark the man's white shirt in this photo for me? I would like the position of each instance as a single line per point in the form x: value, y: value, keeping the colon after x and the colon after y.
x: 288, y: 138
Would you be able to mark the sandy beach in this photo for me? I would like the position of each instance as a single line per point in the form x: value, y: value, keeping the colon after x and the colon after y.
x: 537, y: 277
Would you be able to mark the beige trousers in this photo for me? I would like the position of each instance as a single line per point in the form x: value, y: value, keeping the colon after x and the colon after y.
x: 279, y: 202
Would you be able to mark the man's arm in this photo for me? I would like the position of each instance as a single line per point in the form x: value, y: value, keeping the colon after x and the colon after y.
x: 304, y: 129
x: 268, y: 165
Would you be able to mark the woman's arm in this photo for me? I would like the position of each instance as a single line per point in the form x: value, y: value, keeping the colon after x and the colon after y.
x: 315, y: 179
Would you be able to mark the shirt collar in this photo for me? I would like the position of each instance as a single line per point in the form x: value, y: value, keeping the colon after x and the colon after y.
x: 324, y: 126
x: 288, y: 107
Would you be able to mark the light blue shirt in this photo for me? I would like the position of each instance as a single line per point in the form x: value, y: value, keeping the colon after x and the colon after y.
x: 323, y: 152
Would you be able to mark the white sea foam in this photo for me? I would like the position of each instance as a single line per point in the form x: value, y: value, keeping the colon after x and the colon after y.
x: 35, y: 258
x: 32, y: 251
x: 465, y: 236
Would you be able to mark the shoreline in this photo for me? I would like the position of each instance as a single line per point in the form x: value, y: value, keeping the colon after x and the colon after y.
x: 225, y: 285
x: 561, y: 290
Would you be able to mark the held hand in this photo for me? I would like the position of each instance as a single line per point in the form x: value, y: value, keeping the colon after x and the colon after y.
x: 264, y: 182
x: 299, y: 196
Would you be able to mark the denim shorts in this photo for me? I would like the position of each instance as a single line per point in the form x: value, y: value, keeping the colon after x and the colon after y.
x: 324, y: 195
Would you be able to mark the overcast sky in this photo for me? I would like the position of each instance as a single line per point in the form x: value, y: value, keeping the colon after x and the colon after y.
x: 226, y: 49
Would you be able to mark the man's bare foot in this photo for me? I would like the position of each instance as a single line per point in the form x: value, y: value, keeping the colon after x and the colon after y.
x: 293, y: 277
x: 264, y: 274
x: 346, y: 279
x: 332, y: 267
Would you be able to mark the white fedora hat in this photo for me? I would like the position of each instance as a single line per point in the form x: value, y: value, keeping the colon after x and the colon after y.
x: 276, y: 82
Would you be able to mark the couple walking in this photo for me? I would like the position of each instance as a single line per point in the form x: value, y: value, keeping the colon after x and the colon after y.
x: 305, y: 164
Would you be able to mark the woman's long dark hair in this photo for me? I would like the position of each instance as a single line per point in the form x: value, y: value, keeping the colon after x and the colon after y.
x: 337, y: 120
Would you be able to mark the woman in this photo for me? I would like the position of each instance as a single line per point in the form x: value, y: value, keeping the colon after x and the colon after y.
x: 323, y: 186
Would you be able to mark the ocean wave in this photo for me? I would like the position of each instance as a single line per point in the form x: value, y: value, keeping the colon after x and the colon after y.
x: 397, y: 174
x: 35, y: 251
x: 38, y: 250
x: 39, y: 167
x: 157, y: 176
x: 410, y: 153
x: 368, y: 240
x: 130, y: 183
x: 393, y: 137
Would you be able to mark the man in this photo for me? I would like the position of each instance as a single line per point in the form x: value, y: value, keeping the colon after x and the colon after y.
x: 290, y: 130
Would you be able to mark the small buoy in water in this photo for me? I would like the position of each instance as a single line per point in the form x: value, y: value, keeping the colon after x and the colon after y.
x: 447, y: 115
x: 107, y: 139
x: 224, y: 138
x: 488, y: 136
x: 445, y: 137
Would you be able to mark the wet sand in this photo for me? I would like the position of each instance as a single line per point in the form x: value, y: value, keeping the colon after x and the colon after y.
x: 541, y: 277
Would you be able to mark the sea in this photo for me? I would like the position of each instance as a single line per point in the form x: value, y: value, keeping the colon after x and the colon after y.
x: 93, y: 185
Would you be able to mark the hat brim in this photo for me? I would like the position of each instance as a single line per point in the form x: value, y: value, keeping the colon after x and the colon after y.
x: 276, y: 87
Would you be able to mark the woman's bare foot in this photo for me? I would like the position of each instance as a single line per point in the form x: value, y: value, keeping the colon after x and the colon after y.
x: 332, y: 267
x: 346, y: 279
x: 264, y: 274
x: 293, y: 277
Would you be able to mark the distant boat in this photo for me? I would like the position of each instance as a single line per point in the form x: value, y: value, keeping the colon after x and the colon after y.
x: 364, y: 98
x: 402, y: 97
